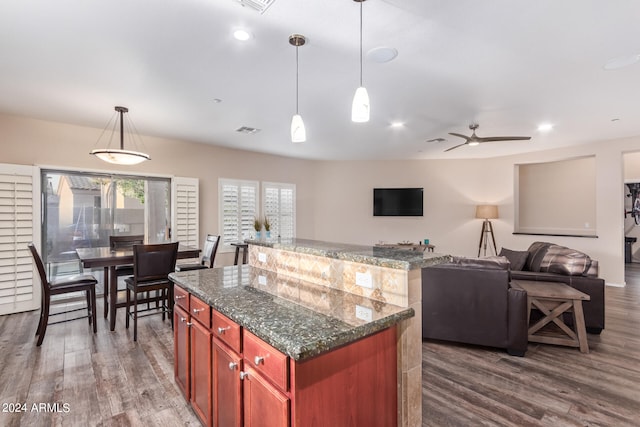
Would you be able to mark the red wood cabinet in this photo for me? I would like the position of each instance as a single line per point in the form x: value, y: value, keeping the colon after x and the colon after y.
x: 181, y: 340
x: 227, y: 390
x: 192, y: 350
x: 233, y: 378
x: 201, y: 371
x: 264, y: 405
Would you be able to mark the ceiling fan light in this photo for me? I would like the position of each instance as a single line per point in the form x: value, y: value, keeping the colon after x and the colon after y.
x: 360, y: 107
x: 473, y: 143
x: 298, y: 131
x: 120, y: 157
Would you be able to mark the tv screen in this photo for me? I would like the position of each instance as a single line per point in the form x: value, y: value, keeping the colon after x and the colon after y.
x: 397, y: 201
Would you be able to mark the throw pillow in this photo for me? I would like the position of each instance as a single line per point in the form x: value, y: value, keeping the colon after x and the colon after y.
x: 561, y: 260
x: 537, y: 250
x: 516, y: 258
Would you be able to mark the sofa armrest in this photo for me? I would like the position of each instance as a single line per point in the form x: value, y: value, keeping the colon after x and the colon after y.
x: 518, y: 322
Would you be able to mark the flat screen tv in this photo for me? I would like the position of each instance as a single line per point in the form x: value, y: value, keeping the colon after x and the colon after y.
x: 398, y: 201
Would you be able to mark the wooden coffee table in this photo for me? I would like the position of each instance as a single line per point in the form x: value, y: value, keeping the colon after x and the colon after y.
x: 553, y: 299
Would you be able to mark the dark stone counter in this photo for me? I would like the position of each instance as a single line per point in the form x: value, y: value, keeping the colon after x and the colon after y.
x: 298, y: 318
x: 373, y: 255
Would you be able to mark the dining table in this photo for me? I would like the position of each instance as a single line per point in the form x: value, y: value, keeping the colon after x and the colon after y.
x: 104, y: 256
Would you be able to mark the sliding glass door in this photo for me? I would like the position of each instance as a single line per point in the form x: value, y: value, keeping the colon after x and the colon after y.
x: 84, y: 209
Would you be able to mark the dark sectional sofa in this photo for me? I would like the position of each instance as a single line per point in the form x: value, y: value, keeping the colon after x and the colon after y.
x: 548, y: 262
x: 470, y: 300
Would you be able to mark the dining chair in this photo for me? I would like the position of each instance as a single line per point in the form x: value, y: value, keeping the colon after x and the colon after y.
x: 151, y: 266
x: 119, y: 243
x: 66, y: 285
x: 208, y: 255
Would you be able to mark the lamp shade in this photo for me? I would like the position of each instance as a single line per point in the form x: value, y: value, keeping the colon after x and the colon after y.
x: 487, y: 211
x: 360, y: 106
x: 120, y: 157
x: 298, y: 132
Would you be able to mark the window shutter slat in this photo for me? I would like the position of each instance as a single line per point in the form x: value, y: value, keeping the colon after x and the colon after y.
x: 186, y: 211
x: 19, y: 285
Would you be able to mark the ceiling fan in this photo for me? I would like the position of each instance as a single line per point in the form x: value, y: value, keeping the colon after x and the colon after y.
x: 475, y: 140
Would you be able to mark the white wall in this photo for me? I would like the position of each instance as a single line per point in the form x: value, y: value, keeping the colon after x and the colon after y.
x: 335, y: 198
x: 343, y: 202
x: 29, y: 141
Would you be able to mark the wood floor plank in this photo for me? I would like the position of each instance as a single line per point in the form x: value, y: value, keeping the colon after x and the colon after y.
x: 109, y: 380
x: 553, y: 385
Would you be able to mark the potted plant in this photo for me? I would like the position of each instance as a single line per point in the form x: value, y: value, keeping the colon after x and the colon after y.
x: 257, y: 225
x: 267, y: 226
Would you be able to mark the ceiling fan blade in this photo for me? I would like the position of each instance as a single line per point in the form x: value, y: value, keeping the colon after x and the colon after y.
x: 459, y: 135
x: 455, y: 146
x: 503, y: 138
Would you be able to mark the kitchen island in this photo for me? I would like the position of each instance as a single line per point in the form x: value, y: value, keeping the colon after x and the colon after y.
x: 251, y: 345
x: 373, y: 278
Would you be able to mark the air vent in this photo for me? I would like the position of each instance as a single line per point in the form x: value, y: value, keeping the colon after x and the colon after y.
x: 259, y: 5
x: 247, y: 130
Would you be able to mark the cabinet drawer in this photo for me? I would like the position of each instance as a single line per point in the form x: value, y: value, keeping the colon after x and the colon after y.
x: 227, y: 331
x: 266, y: 360
x: 181, y: 297
x: 200, y: 311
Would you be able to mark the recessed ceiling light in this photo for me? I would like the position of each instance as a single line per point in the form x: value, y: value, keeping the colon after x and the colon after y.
x: 382, y: 54
x: 545, y: 127
x: 241, y: 35
x: 621, y: 62
x: 397, y: 124
x: 217, y: 100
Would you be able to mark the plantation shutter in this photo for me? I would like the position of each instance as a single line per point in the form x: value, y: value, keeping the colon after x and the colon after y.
x: 19, y: 213
x: 238, y: 204
x: 185, y: 211
x: 279, y: 206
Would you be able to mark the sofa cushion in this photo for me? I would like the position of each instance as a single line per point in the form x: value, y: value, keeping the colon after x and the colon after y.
x: 492, y: 263
x: 561, y: 260
x: 537, y: 250
x: 516, y: 258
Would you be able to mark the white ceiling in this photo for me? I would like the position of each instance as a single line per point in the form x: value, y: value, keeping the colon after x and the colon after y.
x: 506, y: 64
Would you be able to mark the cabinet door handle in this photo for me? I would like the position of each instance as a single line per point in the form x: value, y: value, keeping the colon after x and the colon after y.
x: 244, y: 375
x: 189, y: 323
x: 180, y: 297
x: 233, y: 366
x: 221, y: 331
x: 197, y: 310
x: 183, y: 319
x: 258, y: 360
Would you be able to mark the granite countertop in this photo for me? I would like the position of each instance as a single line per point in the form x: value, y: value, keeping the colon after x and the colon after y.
x: 373, y: 255
x: 298, y: 318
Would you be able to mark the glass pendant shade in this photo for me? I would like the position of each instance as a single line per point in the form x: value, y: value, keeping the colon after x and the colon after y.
x: 360, y: 106
x: 298, y: 132
x: 120, y: 157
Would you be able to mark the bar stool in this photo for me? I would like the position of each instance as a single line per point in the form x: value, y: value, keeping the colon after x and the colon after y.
x: 78, y: 283
x: 245, y: 249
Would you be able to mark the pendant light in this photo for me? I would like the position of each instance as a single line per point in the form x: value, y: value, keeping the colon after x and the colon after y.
x: 360, y: 105
x: 119, y: 156
x: 298, y: 132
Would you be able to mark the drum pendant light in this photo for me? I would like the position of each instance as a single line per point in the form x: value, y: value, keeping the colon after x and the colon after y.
x: 360, y: 105
x: 298, y: 132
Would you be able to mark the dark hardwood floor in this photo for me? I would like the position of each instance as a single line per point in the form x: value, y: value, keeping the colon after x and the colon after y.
x: 101, y: 380
x: 551, y: 386
x: 107, y: 380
